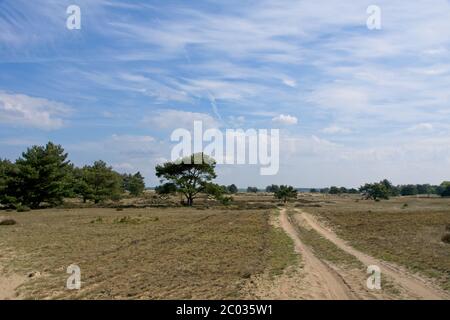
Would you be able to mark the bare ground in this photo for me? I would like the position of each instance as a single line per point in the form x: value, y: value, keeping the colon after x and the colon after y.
x: 9, y: 284
x: 416, y: 287
x: 323, y: 282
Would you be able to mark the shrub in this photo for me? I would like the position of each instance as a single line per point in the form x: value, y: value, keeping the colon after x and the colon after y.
x: 127, y: 220
x: 23, y: 209
x: 98, y: 220
x: 446, y: 238
x: 7, y: 222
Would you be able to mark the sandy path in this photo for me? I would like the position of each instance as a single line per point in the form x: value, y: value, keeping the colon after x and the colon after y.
x: 323, y: 282
x: 415, y: 286
x: 8, y: 285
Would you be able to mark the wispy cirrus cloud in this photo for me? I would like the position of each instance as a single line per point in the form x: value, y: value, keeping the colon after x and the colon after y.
x: 19, y: 110
x: 219, y: 62
x: 169, y: 119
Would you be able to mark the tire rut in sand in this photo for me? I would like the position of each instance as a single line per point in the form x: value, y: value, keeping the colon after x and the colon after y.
x: 414, y: 285
x: 322, y: 281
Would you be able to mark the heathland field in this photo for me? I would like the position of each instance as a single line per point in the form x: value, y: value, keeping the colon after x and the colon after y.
x: 142, y: 253
x: 311, y: 248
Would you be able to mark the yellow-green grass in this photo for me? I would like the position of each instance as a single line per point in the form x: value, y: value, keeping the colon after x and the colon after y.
x: 176, y: 253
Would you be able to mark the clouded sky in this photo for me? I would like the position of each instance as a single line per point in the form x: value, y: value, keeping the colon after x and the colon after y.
x: 354, y: 105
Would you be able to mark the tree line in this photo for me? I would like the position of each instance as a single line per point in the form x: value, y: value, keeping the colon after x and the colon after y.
x: 385, y: 189
x: 44, y: 175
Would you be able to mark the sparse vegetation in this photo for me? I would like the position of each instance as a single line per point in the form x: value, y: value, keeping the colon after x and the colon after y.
x: 144, y: 253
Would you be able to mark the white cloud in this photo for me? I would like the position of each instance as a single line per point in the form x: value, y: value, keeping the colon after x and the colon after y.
x: 236, y: 121
x: 335, y: 130
x: 343, y: 98
x: 23, y: 110
x: 285, y: 120
x: 171, y: 119
x: 422, y: 127
x: 290, y: 82
x: 123, y: 167
x: 132, y: 138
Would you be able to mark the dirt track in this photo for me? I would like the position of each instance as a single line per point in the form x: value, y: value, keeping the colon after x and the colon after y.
x: 8, y: 286
x: 413, y: 285
x: 323, y: 282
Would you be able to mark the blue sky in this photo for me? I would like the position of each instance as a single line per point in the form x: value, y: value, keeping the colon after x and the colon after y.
x: 353, y: 105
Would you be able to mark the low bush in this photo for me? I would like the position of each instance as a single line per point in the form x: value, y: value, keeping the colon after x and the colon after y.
x: 446, y: 238
x: 23, y: 209
x: 7, y: 222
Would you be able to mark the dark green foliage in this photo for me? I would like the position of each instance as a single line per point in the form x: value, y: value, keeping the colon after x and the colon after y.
x: 189, y: 175
x: 9, y: 183
x: 252, y: 189
x: 408, y: 190
x: 343, y: 190
x: 7, y: 222
x: 44, y: 175
x: 392, y: 191
x: 40, y: 175
x: 285, y: 193
x: 99, y: 182
x: 134, y: 183
x: 22, y: 208
x: 334, y: 190
x: 80, y: 185
x: 424, y: 189
x: 272, y: 188
x: 218, y: 192
x: 232, y: 189
x: 446, y: 238
x: 443, y: 189
x: 166, y: 189
x: 375, y: 191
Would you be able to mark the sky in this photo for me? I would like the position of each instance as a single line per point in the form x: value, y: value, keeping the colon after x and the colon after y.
x: 353, y: 105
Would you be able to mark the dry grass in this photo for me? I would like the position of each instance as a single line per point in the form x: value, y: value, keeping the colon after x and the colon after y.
x: 403, y: 230
x: 323, y: 248
x: 142, y: 253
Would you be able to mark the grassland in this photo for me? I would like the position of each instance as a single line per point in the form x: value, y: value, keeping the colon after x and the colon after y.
x: 404, y: 230
x: 177, y: 253
x: 151, y: 249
